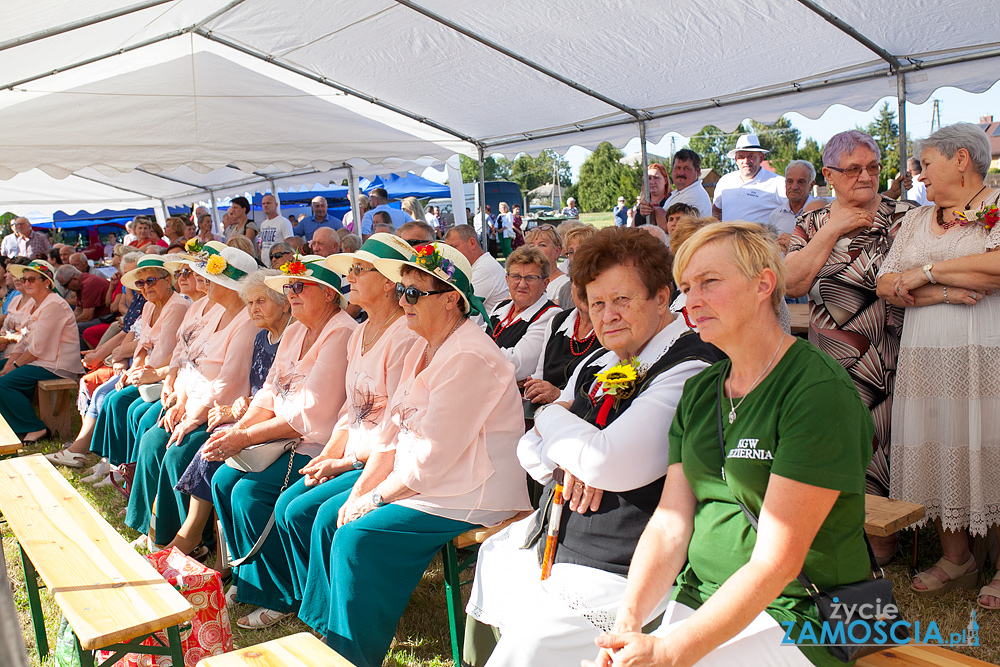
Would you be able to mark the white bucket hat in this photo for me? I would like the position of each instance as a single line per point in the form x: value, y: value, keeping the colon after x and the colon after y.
x: 747, y: 142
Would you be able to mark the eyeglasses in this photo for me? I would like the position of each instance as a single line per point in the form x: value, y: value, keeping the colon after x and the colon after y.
x: 855, y: 170
x: 529, y: 280
x: 30, y: 279
x: 184, y: 273
x: 412, y: 294
x: 295, y: 288
x: 145, y: 282
x: 357, y: 270
x: 416, y: 242
x: 279, y: 255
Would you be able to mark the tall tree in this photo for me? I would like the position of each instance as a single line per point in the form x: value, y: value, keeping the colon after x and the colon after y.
x: 885, y: 131
x: 531, y: 172
x: 495, y: 169
x: 712, y: 144
x: 781, y: 138
x: 603, y: 178
x: 812, y: 152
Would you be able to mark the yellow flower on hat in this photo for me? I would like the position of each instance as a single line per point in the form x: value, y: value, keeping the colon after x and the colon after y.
x: 216, y: 265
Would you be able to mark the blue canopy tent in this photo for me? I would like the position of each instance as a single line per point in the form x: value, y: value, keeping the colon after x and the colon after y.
x: 410, y: 185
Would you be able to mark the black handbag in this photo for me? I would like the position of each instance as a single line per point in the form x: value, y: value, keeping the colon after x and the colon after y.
x: 858, y: 619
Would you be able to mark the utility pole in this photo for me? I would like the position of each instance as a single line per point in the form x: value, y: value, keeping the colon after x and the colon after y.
x: 936, y: 116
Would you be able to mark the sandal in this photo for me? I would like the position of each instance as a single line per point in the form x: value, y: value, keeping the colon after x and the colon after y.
x: 261, y: 618
x: 43, y: 436
x: 991, y: 589
x: 64, y: 457
x: 958, y: 577
x: 98, y: 472
x: 230, y: 596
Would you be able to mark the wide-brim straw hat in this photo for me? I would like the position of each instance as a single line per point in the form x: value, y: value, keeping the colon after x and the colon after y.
x: 378, y: 246
x: 226, y: 268
x: 310, y: 269
x: 146, y: 262
x: 440, y: 260
x: 747, y: 142
x: 39, y: 266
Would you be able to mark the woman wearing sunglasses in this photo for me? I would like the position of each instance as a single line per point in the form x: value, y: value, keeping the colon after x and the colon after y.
x: 160, y: 320
x: 45, y: 351
x: 218, y: 373
x: 301, y: 398
x: 518, y: 324
x: 375, y: 355
x: 442, y: 464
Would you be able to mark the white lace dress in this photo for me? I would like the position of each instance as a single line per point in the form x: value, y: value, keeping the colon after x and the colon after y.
x: 946, y: 409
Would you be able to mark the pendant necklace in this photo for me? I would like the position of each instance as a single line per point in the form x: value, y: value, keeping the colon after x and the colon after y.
x: 732, y: 408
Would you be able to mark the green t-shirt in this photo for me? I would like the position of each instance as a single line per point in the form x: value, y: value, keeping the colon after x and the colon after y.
x: 805, y: 421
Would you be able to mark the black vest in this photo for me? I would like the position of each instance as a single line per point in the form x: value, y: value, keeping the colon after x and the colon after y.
x: 560, y: 362
x: 606, y: 539
x: 511, y: 335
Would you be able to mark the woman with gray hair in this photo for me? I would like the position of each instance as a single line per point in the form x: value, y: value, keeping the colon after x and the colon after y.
x: 834, y: 256
x: 269, y: 310
x: 946, y: 413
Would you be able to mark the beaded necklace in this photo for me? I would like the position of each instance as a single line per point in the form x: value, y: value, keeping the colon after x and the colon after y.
x: 507, y: 321
x: 951, y: 223
x: 589, y: 340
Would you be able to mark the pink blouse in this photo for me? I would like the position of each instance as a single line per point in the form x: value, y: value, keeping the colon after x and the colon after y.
x: 371, y: 379
x: 18, y: 312
x: 458, y: 425
x: 220, y: 371
x: 199, y: 321
x: 160, y: 337
x: 52, y: 336
x: 308, y: 390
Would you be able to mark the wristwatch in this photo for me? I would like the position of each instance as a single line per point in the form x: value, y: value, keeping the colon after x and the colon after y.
x: 927, y: 272
x: 377, y: 498
x: 355, y: 463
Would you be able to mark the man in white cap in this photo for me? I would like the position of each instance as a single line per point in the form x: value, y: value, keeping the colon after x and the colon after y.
x: 750, y: 193
x: 620, y: 213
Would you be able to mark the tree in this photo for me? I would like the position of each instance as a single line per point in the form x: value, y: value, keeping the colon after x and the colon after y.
x: 780, y: 138
x: 495, y: 169
x: 531, y: 172
x: 603, y: 178
x: 885, y: 131
x: 712, y: 144
x: 812, y: 152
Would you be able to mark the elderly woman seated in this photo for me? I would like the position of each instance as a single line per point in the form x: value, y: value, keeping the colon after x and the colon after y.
x: 518, y: 324
x: 599, y: 447
x: 434, y: 472
x: 300, y: 401
x: 270, y: 312
x: 49, y: 348
x: 730, y: 580
x: 218, y: 375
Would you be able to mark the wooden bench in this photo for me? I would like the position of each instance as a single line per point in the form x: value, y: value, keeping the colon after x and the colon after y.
x: 56, y: 405
x: 919, y: 656
x: 10, y: 444
x: 301, y: 650
x: 885, y: 516
x: 111, y: 596
x: 800, y: 318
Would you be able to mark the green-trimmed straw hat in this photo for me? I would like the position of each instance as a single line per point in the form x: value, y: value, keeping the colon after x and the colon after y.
x: 146, y: 262
x: 226, y: 268
x: 310, y: 269
x: 378, y: 246
x: 440, y: 260
x: 39, y: 266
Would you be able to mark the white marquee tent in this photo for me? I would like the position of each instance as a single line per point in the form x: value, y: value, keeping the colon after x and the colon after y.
x: 169, y: 99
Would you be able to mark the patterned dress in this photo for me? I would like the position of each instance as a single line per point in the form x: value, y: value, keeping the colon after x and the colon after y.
x: 946, y: 414
x: 848, y: 321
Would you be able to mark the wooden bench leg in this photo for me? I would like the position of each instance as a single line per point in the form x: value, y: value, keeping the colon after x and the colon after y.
x: 34, y: 604
x: 172, y: 648
x: 86, y: 657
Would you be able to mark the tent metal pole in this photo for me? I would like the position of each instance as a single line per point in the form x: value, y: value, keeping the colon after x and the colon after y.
x: 901, y: 97
x: 216, y: 222
x: 703, y: 105
x: 482, y: 202
x: 521, y: 59
x: 353, y: 190
x: 82, y: 23
x: 163, y: 207
x: 645, y: 160
x: 277, y: 62
x: 274, y: 193
x: 173, y: 180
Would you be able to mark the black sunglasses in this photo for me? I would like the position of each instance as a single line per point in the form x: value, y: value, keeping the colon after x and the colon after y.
x: 279, y: 255
x: 416, y: 242
x: 147, y: 282
x: 412, y: 294
x: 296, y: 287
x: 185, y: 273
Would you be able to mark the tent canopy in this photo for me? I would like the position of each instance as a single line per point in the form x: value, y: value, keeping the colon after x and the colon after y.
x: 409, y: 185
x: 175, y: 99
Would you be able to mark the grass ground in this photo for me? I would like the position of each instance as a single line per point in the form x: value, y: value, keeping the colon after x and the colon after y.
x: 422, y: 636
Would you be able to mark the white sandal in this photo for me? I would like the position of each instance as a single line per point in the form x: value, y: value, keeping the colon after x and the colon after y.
x: 261, y: 618
x: 230, y: 596
x: 64, y: 457
x: 98, y: 472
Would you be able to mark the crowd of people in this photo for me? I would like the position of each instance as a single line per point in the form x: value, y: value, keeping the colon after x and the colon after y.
x: 347, y: 404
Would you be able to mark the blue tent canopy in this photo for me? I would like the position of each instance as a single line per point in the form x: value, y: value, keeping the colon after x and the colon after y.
x: 107, y: 214
x: 82, y: 224
x: 292, y: 198
x: 410, y: 185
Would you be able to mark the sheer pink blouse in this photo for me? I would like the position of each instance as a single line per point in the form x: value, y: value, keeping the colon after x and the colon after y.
x: 52, y: 336
x: 160, y: 337
x: 220, y: 370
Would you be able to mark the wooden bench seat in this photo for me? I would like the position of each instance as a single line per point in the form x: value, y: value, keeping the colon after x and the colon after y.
x: 885, y: 516
x: 919, y: 656
x: 301, y: 650
x: 56, y: 405
x: 107, y: 591
x: 10, y: 444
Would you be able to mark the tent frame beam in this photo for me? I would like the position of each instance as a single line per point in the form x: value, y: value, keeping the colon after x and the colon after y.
x: 499, y: 142
x: 81, y: 23
x: 541, y: 69
x: 278, y: 62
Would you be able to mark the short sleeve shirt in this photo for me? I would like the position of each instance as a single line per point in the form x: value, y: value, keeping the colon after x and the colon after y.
x: 752, y: 200
x: 271, y: 232
x: 93, y: 290
x: 805, y: 421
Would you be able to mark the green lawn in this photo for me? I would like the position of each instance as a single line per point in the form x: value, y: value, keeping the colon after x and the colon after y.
x: 422, y: 637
